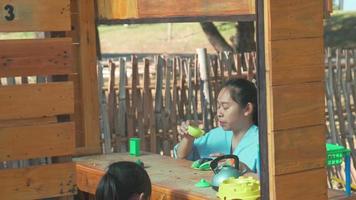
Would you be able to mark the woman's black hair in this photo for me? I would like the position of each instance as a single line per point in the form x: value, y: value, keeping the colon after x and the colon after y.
x: 243, y: 91
x: 122, y: 180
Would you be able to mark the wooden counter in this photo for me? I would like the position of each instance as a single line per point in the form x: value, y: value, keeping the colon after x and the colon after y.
x: 171, y: 179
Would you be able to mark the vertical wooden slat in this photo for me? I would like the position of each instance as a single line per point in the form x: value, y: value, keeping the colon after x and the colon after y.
x: 122, y: 126
x: 158, y: 96
x: 136, y: 101
x: 167, y: 122
x: 105, y: 127
x: 111, y: 106
x: 149, y: 120
x: 174, y: 103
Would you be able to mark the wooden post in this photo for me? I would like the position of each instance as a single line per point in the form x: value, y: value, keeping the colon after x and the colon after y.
x: 295, y: 105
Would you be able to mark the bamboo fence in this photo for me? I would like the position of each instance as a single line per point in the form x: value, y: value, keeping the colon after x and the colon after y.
x: 148, y: 97
x: 340, y: 98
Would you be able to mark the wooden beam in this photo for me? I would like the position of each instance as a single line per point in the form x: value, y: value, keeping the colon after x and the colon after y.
x: 170, y: 8
x: 88, y: 76
x: 180, y: 19
x: 38, y: 182
x: 139, y: 9
x: 38, y: 141
x: 36, y: 57
x: 36, y: 100
x: 34, y: 15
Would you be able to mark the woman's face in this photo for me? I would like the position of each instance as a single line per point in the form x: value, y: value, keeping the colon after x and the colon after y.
x: 229, y: 113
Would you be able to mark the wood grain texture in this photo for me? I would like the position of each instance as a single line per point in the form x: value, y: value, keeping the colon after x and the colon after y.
x: 40, y: 141
x: 170, y: 8
x: 88, y: 77
x: 37, y: 100
x: 299, y: 149
x: 294, y: 19
x: 298, y: 105
x: 36, y: 57
x: 143, y: 9
x: 88, y: 178
x: 174, y: 179
x: 36, y: 15
x: 297, y: 61
x: 309, y: 185
x: 28, y: 122
x: 168, y: 175
x: 38, y: 182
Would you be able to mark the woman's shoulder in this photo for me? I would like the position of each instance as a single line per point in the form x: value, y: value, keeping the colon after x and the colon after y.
x: 253, y: 134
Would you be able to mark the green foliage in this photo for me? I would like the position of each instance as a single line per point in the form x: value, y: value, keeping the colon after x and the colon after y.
x: 340, y: 30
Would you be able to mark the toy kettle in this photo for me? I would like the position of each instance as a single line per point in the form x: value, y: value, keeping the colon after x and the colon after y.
x: 224, y: 172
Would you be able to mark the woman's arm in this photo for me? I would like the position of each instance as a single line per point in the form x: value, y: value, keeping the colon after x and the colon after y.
x: 184, y: 147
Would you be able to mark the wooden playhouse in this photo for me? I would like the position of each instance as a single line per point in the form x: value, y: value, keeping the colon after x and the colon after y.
x: 58, y: 117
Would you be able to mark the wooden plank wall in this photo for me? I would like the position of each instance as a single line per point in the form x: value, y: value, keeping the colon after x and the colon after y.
x: 134, y: 9
x: 36, y: 99
x: 295, y: 99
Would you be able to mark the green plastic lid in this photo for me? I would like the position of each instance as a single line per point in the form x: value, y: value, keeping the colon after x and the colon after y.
x: 331, y: 147
x: 195, y: 131
x: 246, y: 188
x: 202, y: 184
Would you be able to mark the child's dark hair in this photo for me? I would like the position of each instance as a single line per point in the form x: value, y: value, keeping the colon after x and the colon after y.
x: 122, y: 180
x: 243, y: 91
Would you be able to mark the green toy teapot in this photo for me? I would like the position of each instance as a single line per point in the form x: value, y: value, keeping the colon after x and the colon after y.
x: 224, y: 172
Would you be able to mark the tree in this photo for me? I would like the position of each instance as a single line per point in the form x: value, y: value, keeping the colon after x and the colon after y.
x: 244, y: 40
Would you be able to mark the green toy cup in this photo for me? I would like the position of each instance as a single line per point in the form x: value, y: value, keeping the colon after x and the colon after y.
x: 135, y: 146
x: 195, y: 131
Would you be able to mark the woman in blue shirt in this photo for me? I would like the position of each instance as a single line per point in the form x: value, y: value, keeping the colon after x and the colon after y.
x: 237, y: 132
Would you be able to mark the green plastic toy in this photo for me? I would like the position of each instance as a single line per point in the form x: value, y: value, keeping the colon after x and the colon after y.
x: 195, y: 131
x: 335, y: 154
x: 135, y: 146
x: 244, y: 188
x: 202, y: 184
x: 202, y: 164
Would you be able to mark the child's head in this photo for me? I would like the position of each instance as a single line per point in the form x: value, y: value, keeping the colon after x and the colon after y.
x: 124, y: 180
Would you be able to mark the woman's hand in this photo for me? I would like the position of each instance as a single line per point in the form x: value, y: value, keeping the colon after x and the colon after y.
x: 183, y: 130
x: 185, y: 140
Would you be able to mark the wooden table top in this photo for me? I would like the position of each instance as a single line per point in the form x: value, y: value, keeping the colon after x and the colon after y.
x: 174, y: 176
x: 165, y: 172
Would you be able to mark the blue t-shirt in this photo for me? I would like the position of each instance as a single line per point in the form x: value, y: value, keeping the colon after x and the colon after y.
x: 219, y: 141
